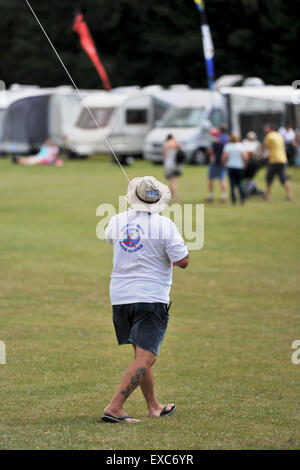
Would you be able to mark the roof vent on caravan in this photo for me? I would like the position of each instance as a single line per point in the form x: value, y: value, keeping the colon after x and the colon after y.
x: 253, y: 81
x: 152, y: 88
x: 227, y: 80
x: 65, y: 88
x: 126, y: 89
x: 18, y: 86
x: 180, y: 87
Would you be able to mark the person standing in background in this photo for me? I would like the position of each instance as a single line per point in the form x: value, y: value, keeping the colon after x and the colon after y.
x: 274, y: 143
x: 234, y: 156
x: 289, y: 136
x: 255, y: 162
x: 172, y: 168
x: 216, y: 169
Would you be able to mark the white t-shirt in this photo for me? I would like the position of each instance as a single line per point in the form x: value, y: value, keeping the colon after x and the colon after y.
x: 235, y: 155
x: 288, y: 134
x: 145, y: 246
x: 253, y: 146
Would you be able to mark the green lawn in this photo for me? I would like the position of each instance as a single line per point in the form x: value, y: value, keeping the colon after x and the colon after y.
x: 226, y: 359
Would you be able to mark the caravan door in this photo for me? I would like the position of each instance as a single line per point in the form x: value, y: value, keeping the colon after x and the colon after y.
x: 63, y: 113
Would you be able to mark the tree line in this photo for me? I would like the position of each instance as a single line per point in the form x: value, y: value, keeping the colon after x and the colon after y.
x: 149, y: 42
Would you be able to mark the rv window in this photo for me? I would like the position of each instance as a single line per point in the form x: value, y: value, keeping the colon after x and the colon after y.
x: 183, y: 117
x: 216, y: 117
x: 101, y: 115
x: 136, y: 116
x: 159, y: 110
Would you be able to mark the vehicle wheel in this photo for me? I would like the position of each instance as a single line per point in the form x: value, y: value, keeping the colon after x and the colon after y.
x: 125, y: 160
x: 200, y: 157
x: 70, y: 155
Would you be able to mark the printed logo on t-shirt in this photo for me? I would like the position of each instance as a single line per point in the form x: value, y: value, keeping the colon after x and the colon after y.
x: 131, y: 242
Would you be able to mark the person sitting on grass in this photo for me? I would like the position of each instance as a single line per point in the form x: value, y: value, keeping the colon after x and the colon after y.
x: 48, y: 155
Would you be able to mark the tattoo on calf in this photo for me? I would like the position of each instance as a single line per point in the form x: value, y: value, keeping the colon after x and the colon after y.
x: 134, y: 382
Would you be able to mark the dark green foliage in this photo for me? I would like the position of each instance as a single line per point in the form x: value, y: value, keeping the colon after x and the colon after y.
x: 150, y: 42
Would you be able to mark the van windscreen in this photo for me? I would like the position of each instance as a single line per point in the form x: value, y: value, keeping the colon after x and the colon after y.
x: 101, y: 115
x: 182, y: 117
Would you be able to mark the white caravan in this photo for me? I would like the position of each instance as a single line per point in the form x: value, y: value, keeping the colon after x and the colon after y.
x: 30, y: 114
x: 194, y: 113
x: 125, y: 117
x: 63, y: 111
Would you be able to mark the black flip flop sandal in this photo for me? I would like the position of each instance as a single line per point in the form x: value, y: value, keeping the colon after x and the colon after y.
x: 113, y: 419
x: 165, y: 413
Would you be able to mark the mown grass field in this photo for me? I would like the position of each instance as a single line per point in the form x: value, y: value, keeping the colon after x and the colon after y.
x: 226, y: 359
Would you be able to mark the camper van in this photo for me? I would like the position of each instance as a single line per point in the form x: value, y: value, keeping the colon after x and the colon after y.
x: 190, y: 119
x: 241, y: 108
x: 125, y: 117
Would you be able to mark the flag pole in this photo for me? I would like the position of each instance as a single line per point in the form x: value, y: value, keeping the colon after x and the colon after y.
x: 208, y: 47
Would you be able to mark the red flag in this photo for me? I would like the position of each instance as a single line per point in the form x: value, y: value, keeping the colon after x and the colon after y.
x: 87, y: 43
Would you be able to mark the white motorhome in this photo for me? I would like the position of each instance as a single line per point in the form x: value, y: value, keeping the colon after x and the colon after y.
x: 189, y: 120
x: 125, y: 117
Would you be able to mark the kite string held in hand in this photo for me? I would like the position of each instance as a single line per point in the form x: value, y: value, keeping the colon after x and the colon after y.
x: 80, y: 95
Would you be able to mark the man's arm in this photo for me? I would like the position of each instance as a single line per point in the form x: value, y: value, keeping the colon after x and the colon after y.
x: 183, y: 263
x: 245, y: 157
x: 211, y: 155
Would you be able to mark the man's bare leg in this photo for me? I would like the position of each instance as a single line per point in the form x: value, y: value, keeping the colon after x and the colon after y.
x: 147, y: 387
x: 223, y: 190
x: 210, y: 196
x: 268, y: 192
x: 131, y: 379
x: 174, y: 189
x: 29, y: 161
x: 288, y: 191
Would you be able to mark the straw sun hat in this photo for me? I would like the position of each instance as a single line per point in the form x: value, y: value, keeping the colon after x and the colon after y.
x: 147, y: 194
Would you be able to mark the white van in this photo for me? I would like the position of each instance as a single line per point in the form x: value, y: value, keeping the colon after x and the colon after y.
x: 125, y: 117
x: 190, y: 119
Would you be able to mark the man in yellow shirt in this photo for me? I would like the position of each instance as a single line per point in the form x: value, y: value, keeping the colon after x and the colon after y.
x: 274, y: 143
